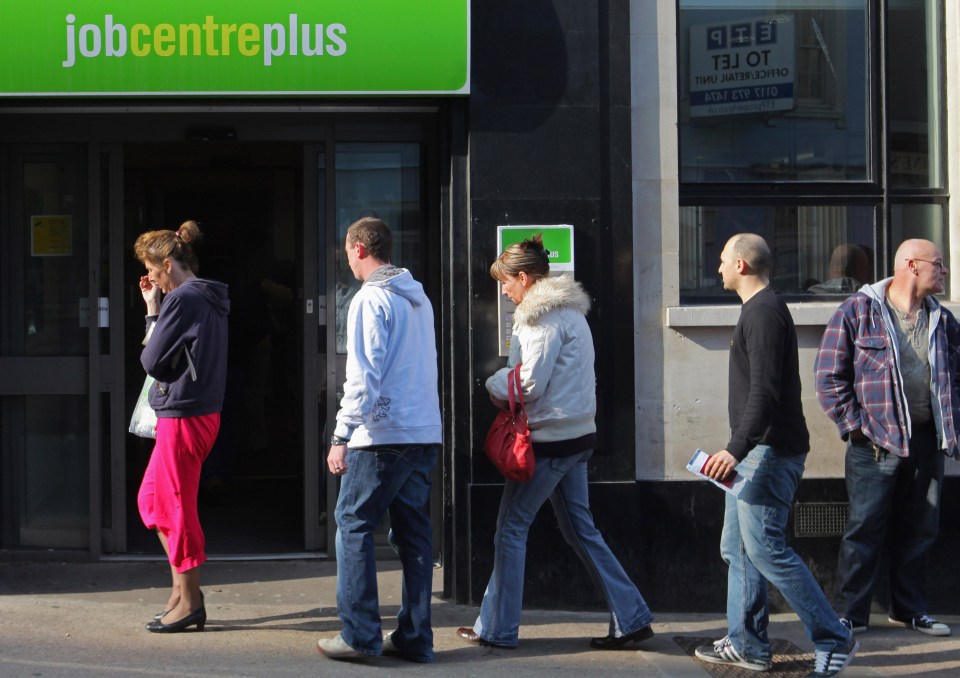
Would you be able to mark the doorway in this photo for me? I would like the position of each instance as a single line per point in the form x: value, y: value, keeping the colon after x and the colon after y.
x: 247, y: 201
x: 273, y: 198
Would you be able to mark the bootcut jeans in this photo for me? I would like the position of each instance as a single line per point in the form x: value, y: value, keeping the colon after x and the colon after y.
x: 564, y: 481
x: 384, y: 479
x: 754, y: 546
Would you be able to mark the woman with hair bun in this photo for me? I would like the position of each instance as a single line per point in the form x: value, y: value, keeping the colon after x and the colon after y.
x: 186, y: 352
x: 552, y: 342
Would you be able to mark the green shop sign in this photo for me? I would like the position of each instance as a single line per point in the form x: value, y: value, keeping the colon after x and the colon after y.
x: 234, y: 47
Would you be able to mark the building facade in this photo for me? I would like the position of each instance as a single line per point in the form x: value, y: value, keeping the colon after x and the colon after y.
x: 655, y: 128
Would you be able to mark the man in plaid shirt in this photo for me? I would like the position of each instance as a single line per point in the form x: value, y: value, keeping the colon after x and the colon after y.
x: 887, y: 376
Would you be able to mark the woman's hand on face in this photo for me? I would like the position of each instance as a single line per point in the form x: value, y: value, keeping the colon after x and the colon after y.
x: 151, y: 294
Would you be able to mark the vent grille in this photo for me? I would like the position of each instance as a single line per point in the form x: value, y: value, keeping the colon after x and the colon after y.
x: 819, y: 519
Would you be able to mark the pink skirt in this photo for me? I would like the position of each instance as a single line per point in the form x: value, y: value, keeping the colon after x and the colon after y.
x: 168, y: 493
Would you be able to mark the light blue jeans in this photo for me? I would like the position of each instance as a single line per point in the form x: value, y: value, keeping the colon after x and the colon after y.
x: 754, y: 546
x: 379, y: 480
x: 564, y: 481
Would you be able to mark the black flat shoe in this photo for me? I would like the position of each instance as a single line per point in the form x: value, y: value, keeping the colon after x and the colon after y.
x: 198, y: 619
x: 612, y: 643
x: 161, y: 615
x: 468, y: 635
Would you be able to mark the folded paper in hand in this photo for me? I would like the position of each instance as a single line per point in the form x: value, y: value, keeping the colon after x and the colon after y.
x: 700, y: 459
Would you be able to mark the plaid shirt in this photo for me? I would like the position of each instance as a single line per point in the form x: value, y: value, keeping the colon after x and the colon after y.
x: 859, y: 384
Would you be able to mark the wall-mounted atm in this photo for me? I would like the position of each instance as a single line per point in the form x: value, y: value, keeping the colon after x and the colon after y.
x: 558, y: 240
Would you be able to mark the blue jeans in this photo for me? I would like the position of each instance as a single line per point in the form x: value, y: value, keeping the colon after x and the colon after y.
x: 754, y: 546
x: 564, y: 481
x: 897, y: 499
x: 381, y: 479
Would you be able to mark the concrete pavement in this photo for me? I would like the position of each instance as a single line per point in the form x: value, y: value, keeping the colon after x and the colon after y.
x: 81, y: 620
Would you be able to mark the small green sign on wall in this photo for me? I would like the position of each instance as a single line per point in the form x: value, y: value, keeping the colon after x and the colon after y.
x: 557, y: 240
x: 234, y: 47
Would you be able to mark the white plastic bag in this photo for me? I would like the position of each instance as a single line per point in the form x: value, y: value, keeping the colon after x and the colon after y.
x: 143, y: 423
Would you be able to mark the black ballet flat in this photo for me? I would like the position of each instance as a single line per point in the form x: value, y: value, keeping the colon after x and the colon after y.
x: 614, y: 643
x: 160, y: 615
x: 198, y: 619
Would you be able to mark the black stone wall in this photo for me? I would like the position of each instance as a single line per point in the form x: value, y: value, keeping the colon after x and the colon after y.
x: 547, y: 126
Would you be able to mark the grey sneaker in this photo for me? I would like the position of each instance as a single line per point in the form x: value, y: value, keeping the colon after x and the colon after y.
x: 830, y: 663
x: 923, y: 624
x: 852, y: 626
x: 337, y: 648
x: 722, y: 652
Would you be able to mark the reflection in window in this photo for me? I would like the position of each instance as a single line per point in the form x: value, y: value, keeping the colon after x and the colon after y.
x: 818, y: 250
x: 773, y: 91
x: 914, y: 77
x: 919, y: 221
x: 56, y: 311
x: 380, y: 180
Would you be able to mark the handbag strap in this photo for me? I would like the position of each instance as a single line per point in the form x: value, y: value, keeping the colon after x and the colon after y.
x: 513, y: 384
x: 518, y: 413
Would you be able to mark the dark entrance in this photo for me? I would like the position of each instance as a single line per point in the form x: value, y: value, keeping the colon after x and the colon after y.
x: 274, y: 198
x: 247, y: 199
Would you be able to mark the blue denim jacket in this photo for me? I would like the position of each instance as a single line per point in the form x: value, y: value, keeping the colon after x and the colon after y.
x: 858, y: 378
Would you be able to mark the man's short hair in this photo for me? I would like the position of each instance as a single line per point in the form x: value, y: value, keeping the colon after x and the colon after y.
x: 754, y: 250
x: 374, y: 235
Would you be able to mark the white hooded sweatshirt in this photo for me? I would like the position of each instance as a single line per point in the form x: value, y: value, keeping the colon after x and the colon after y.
x: 390, y: 395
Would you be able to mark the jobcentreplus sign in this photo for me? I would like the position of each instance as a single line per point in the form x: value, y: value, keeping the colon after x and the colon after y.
x: 109, y: 38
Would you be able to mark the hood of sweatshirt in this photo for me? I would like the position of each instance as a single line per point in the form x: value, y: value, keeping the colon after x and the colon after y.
x: 878, y: 292
x: 549, y: 294
x: 398, y: 281
x: 213, y: 291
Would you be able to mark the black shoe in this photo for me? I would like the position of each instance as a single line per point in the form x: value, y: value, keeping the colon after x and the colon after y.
x: 615, y: 643
x: 160, y: 615
x: 198, y: 619
x: 923, y: 624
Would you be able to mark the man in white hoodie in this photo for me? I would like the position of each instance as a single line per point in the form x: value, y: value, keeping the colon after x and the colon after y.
x: 384, y: 447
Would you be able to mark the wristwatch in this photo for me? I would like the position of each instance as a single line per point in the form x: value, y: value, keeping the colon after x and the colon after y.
x: 337, y: 440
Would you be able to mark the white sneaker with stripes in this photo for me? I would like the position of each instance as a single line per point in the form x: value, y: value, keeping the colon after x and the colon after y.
x: 829, y: 663
x: 722, y: 652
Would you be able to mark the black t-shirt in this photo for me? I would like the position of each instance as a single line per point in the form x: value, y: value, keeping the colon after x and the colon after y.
x: 764, y: 395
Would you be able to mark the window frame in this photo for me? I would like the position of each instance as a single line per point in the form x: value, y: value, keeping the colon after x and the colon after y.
x: 877, y: 192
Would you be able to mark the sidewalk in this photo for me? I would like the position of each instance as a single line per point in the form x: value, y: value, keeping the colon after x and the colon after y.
x: 81, y: 620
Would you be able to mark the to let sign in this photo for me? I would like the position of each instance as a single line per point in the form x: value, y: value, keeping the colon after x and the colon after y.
x: 742, y: 66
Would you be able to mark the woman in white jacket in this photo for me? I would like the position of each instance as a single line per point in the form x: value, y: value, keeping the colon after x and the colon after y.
x: 552, y: 341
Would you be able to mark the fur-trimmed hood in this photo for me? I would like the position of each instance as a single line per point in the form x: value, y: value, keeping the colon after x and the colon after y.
x: 549, y: 294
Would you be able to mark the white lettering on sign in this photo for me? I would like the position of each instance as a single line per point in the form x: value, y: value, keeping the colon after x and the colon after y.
x: 112, y: 39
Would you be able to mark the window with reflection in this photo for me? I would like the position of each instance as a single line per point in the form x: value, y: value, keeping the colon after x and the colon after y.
x: 377, y: 180
x: 914, y: 74
x: 774, y: 91
x: 800, y: 122
x: 819, y: 251
x: 55, y: 309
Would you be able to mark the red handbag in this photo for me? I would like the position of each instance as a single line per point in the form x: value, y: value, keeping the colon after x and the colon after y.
x: 508, y: 441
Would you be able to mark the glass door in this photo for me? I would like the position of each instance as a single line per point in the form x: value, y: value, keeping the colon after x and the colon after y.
x: 54, y: 331
x: 376, y: 179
